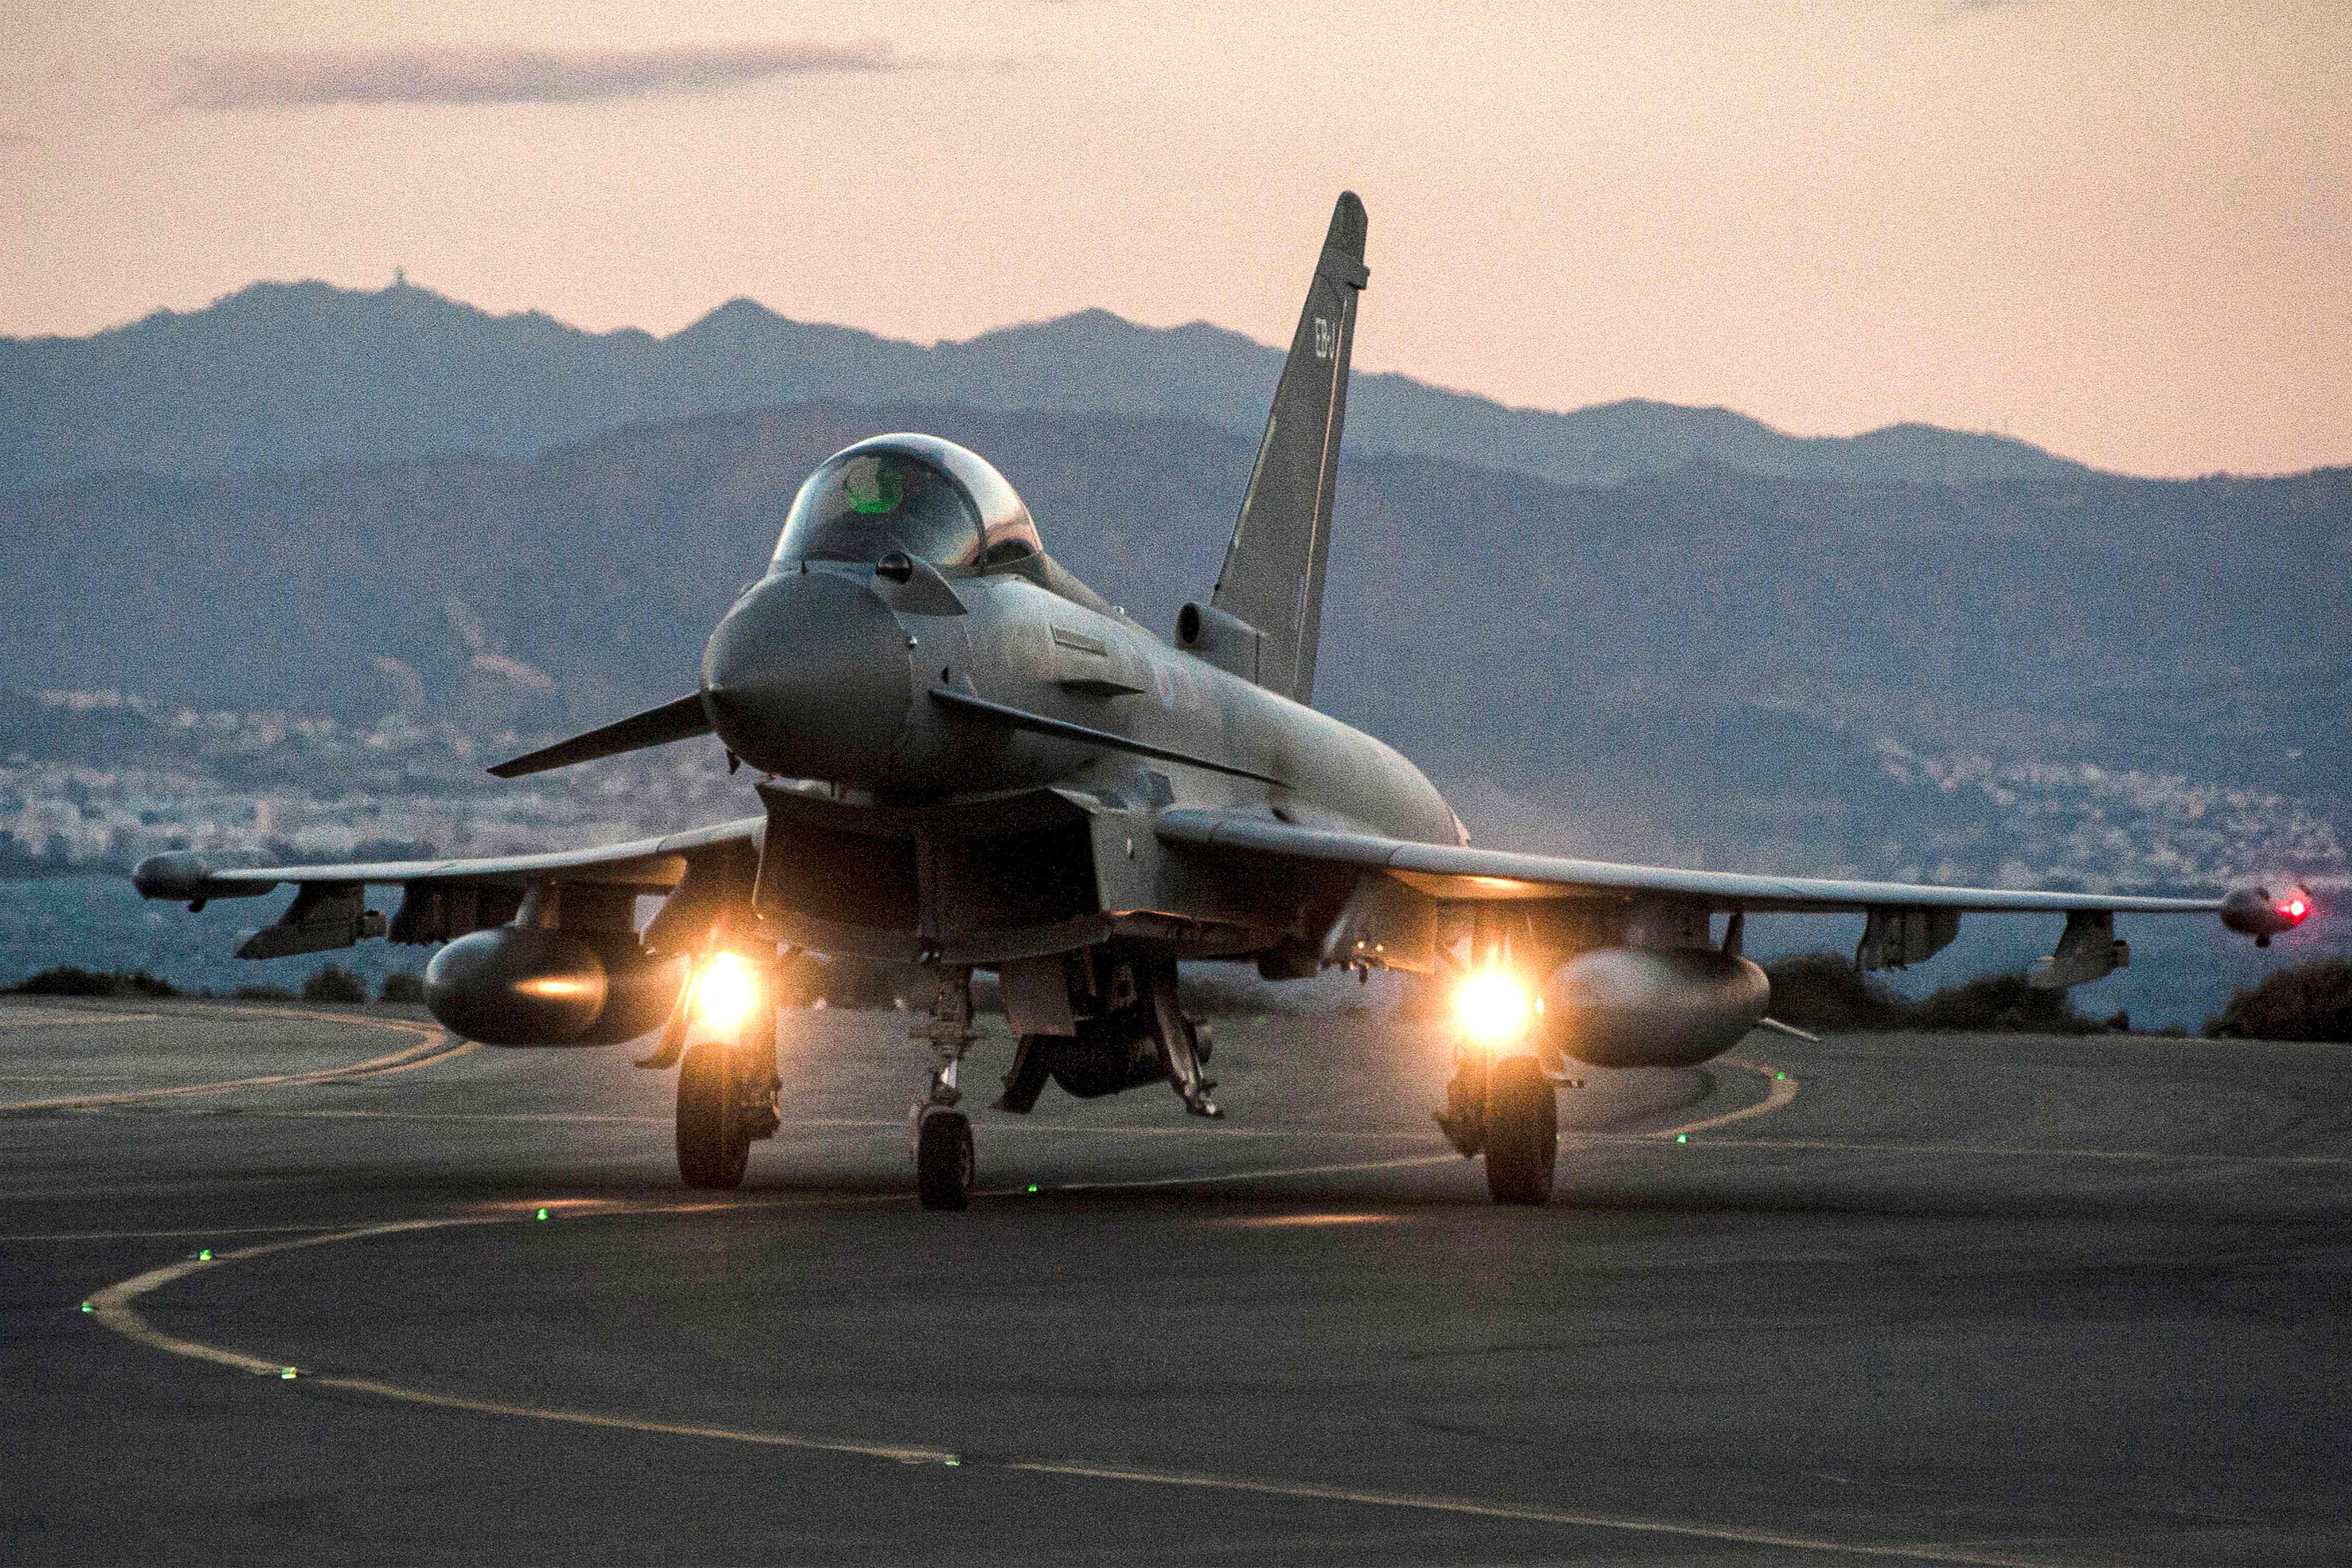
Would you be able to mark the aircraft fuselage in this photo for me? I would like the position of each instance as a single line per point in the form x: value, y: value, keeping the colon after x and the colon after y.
x: 816, y: 674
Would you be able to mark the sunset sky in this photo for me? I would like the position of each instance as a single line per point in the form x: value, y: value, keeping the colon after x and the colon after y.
x: 2121, y: 231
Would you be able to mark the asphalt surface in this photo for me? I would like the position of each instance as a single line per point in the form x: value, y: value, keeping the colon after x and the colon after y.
x: 1930, y: 1299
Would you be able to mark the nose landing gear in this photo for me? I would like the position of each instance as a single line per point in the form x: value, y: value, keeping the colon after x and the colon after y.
x: 942, y: 1135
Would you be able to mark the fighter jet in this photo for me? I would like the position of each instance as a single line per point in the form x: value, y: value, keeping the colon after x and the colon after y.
x: 967, y: 758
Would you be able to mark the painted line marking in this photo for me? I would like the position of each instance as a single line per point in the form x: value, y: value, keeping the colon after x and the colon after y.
x: 113, y: 1307
x: 1779, y: 1090
x: 36, y: 1017
x: 178, y: 1234
x: 1999, y: 1150
x: 68, y: 1078
x: 433, y: 1045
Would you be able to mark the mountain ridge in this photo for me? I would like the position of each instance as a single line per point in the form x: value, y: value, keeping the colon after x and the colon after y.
x: 288, y: 374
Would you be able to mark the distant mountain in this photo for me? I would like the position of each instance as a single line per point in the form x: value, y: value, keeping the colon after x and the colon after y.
x: 2088, y: 677
x: 284, y: 376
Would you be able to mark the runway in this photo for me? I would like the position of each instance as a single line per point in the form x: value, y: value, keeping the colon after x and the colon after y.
x: 1981, y: 1300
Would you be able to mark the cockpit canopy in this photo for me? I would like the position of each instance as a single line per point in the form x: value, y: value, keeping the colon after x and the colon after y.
x: 931, y: 498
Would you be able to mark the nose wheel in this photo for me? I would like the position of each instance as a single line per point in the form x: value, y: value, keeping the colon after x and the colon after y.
x: 944, y: 1162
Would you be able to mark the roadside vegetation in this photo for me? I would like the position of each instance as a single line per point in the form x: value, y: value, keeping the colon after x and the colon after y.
x: 1823, y: 991
x: 2309, y: 1002
x: 329, y: 982
x: 333, y: 983
x: 67, y: 980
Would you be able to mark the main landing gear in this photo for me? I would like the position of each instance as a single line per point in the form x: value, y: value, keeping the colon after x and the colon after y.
x: 727, y: 1084
x: 1503, y: 1107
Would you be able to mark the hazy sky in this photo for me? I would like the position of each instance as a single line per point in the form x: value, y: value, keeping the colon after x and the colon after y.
x: 2123, y: 231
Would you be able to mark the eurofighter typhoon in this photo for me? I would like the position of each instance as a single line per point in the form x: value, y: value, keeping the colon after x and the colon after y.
x: 968, y: 759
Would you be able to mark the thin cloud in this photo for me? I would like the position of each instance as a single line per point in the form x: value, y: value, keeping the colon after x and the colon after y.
x: 287, y: 79
x: 1959, y: 9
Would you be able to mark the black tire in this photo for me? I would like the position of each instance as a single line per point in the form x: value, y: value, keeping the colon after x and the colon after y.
x: 944, y: 1162
x: 713, y: 1145
x: 1522, y: 1132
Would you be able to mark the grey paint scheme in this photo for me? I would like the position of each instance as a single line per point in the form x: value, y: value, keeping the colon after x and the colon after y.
x: 1274, y: 570
x: 1045, y: 803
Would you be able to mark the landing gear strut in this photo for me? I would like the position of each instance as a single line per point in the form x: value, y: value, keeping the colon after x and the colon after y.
x: 942, y: 1135
x: 1183, y: 1045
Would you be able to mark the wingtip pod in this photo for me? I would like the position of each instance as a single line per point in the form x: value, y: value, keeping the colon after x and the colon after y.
x: 2257, y: 913
x: 178, y: 875
x: 184, y: 876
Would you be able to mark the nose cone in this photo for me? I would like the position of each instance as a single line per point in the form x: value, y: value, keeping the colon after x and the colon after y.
x: 809, y: 677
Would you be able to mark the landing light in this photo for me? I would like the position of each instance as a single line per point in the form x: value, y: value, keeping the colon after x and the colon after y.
x: 1494, y: 1007
x: 726, y: 991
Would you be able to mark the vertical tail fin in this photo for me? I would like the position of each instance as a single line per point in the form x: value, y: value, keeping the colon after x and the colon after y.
x: 1273, y: 576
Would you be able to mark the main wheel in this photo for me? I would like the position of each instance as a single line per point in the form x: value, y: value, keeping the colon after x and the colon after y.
x: 713, y: 1145
x: 1522, y: 1132
x: 943, y: 1161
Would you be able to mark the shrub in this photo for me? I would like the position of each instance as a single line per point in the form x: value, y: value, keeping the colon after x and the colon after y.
x: 1824, y: 991
x: 397, y: 987
x: 2001, y: 1002
x: 67, y: 980
x: 262, y: 994
x: 2309, y: 1002
x: 330, y: 984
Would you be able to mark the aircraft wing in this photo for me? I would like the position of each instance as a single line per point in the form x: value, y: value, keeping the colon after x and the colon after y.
x: 444, y: 899
x: 654, y: 865
x: 1464, y: 874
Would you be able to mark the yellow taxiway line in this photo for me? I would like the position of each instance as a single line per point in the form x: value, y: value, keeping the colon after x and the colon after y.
x: 433, y: 1045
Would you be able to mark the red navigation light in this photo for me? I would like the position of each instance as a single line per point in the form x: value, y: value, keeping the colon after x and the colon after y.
x: 2295, y: 907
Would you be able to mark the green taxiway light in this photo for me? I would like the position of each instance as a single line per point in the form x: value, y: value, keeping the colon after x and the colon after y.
x: 953, y: 1460
x: 1780, y: 1075
x: 287, y: 1375
x: 1682, y: 1137
x: 206, y: 1256
x: 1032, y: 1187
x: 542, y: 1213
x: 87, y: 1307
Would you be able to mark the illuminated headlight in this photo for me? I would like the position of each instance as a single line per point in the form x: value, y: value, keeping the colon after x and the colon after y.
x: 1494, y: 1008
x: 726, y: 993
